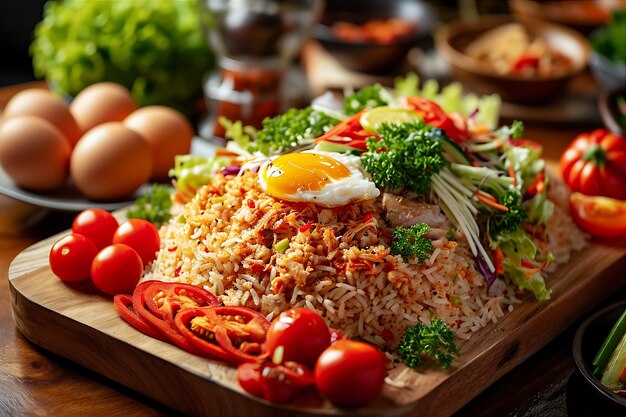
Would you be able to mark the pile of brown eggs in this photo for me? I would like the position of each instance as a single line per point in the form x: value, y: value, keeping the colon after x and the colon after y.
x: 101, y: 143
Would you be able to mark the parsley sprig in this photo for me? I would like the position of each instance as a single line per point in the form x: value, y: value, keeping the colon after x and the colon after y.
x: 437, y: 341
x: 409, y: 241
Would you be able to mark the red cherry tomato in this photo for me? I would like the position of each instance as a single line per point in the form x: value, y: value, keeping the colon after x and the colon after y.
x: 302, y: 333
x: 116, y: 269
x: 599, y: 216
x: 140, y: 235
x: 70, y: 258
x: 276, y: 383
x: 96, y: 224
x: 350, y: 373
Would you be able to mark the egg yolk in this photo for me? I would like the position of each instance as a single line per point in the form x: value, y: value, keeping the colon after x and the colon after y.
x: 297, y: 172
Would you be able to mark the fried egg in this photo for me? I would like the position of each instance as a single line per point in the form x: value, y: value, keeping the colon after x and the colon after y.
x: 325, y: 178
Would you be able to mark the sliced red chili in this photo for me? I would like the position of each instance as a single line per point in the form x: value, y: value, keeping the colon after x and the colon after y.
x: 276, y: 383
x: 123, y: 304
x: 165, y: 299
x: 166, y: 327
x: 348, y: 132
x: 235, y: 334
x: 434, y: 115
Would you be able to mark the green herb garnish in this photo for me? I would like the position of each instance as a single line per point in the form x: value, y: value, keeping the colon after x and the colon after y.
x: 437, y: 341
x: 153, y: 206
x: 410, y: 241
x: 366, y: 98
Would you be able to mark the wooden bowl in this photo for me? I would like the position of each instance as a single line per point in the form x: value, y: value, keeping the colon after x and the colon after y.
x: 587, y: 341
x: 373, y: 57
x: 452, y: 39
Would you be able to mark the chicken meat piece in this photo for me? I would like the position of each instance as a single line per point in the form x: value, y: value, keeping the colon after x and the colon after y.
x: 402, y: 211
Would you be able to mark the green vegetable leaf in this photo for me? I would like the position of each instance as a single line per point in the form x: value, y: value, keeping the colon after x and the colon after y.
x: 409, y: 241
x: 192, y: 171
x: 437, y: 341
x: 288, y: 130
x: 366, y: 98
x: 153, y: 206
x: 407, y: 155
x: 508, y: 221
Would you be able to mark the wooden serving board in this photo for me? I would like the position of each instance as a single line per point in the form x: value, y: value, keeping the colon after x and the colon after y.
x: 78, y: 323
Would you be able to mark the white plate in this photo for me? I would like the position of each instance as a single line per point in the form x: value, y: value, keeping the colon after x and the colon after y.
x: 69, y: 199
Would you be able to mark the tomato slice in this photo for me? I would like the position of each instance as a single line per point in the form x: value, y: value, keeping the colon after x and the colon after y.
x: 276, y: 383
x: 123, y: 304
x: 165, y: 299
x: 166, y: 327
x: 234, y: 334
x: 599, y: 216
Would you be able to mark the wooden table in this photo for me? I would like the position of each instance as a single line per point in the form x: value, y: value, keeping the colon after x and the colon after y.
x: 36, y: 382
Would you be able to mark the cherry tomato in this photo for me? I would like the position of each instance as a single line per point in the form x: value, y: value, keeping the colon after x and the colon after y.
x: 70, y: 258
x: 116, y: 269
x: 595, y: 164
x: 234, y: 334
x: 96, y: 224
x: 599, y: 216
x: 350, y: 373
x: 276, y: 383
x: 140, y: 235
x: 302, y: 333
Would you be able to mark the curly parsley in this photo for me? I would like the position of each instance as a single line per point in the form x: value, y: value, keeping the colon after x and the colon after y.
x: 437, y: 341
x: 409, y: 241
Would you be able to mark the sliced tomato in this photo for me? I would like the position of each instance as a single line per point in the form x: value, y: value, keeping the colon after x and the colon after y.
x: 276, y: 383
x: 166, y: 327
x: 599, y: 216
x: 165, y: 299
x: 234, y: 334
x: 434, y: 115
x: 123, y: 304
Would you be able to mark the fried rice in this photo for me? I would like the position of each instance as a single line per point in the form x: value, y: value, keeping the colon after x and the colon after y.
x: 337, y: 262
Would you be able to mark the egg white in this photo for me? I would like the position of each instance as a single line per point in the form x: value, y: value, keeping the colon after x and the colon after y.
x: 356, y: 187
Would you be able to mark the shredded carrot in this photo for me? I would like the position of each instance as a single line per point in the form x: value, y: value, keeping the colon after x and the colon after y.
x: 491, y: 202
x: 498, y: 256
x: 512, y: 175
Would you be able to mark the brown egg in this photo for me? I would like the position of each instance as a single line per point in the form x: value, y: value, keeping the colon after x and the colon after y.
x: 167, y: 132
x: 100, y: 103
x: 110, y: 162
x: 44, y: 104
x: 34, y: 153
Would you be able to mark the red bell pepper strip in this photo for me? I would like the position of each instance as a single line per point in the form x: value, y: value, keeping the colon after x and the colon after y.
x: 434, y: 115
x: 348, y: 132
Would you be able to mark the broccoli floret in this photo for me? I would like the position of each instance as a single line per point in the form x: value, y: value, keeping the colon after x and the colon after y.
x: 409, y: 241
x: 437, y: 341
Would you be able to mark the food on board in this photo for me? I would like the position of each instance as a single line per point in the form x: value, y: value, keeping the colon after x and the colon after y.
x: 599, y: 216
x: 167, y: 132
x: 100, y: 103
x: 116, y: 269
x: 510, y: 50
x: 96, y: 224
x: 110, y: 162
x: 46, y: 105
x: 34, y: 153
x: 140, y: 235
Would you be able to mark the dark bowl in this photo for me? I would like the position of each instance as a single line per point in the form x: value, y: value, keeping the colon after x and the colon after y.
x: 613, y: 119
x: 452, y: 39
x: 372, y: 57
x: 581, y: 15
x: 588, y: 339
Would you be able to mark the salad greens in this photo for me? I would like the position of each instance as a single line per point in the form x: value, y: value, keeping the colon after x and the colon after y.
x: 366, y: 98
x: 155, y: 48
x: 154, y: 205
x: 192, y: 172
x: 437, y: 341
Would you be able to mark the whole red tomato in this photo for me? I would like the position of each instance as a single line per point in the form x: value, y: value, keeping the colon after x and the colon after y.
x: 350, y: 373
x: 97, y: 225
x: 70, y: 258
x: 595, y: 164
x: 599, y: 216
x: 116, y: 269
x: 302, y: 333
x: 140, y: 235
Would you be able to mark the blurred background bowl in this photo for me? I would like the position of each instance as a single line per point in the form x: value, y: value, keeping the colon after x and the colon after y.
x: 613, y: 117
x: 373, y: 57
x: 453, y: 38
x: 582, y: 15
x: 609, y: 74
x: 587, y: 341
